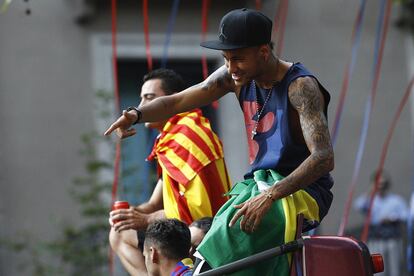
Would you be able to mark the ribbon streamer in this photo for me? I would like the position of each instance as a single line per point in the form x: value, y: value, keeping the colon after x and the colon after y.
x: 146, y: 34
x: 204, y: 29
x: 258, y: 5
x: 355, y: 42
x: 409, y: 250
x: 170, y: 28
x: 384, y: 152
x: 116, y: 96
x: 356, y: 37
x: 280, y: 24
x: 382, y: 28
x: 117, y: 102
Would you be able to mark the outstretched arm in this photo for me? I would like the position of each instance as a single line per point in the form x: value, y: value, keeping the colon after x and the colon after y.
x: 215, y: 86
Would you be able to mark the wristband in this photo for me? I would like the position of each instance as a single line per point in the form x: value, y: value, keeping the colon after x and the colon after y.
x: 139, y: 114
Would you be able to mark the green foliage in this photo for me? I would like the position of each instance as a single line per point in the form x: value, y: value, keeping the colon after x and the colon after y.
x: 31, y: 256
x: 84, y: 249
x: 5, y: 6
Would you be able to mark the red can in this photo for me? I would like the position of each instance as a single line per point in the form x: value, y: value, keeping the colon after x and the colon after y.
x: 120, y: 205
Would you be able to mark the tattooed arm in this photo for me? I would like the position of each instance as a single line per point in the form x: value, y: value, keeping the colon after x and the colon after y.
x: 307, y: 99
x: 215, y: 86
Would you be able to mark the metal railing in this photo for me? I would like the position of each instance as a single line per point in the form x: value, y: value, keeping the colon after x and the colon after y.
x: 251, y: 260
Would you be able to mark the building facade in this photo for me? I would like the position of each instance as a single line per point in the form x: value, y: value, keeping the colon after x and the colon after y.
x: 56, y: 57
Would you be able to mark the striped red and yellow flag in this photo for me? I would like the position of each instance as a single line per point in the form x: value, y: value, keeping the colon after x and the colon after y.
x: 186, y: 145
x: 191, y: 158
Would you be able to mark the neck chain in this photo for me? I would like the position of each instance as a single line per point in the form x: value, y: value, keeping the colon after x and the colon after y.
x: 259, y: 113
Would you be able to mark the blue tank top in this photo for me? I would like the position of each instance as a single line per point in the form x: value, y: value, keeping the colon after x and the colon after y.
x: 273, y: 146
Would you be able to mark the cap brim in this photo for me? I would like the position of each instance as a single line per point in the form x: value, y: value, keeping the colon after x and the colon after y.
x: 218, y: 45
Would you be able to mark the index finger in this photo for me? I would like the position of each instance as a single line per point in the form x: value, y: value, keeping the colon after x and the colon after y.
x: 111, y: 128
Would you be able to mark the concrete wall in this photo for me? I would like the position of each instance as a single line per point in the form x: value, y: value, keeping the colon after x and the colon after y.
x: 45, y: 103
x: 48, y: 78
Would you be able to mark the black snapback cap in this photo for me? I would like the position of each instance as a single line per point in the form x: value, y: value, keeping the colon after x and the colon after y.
x: 241, y: 28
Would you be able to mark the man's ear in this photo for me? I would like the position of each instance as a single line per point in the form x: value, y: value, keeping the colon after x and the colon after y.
x: 265, y: 51
x: 154, y: 255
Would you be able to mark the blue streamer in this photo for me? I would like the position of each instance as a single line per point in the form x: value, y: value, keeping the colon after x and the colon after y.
x: 170, y: 28
x: 355, y: 47
x: 378, y: 38
x: 370, y: 100
x: 410, y: 266
x: 354, y: 53
x: 410, y: 238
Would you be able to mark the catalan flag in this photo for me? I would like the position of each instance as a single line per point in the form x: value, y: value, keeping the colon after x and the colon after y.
x: 194, y: 173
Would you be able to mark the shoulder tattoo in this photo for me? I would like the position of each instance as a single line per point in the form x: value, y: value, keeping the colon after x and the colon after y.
x: 306, y: 97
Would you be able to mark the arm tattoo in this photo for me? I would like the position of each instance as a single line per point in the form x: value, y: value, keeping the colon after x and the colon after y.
x: 220, y: 80
x: 307, y: 100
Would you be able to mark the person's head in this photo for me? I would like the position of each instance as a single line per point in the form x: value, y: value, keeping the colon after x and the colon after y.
x: 384, y: 181
x: 166, y: 241
x: 157, y: 83
x: 199, y: 229
x: 245, y: 41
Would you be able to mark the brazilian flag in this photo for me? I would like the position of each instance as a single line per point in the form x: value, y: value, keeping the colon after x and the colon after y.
x: 224, y: 244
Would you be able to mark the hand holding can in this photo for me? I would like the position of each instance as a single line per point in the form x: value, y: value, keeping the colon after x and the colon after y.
x: 119, y: 205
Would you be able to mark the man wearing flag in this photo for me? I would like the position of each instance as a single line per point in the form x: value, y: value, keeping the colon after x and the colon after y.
x: 285, y: 113
x: 193, y: 178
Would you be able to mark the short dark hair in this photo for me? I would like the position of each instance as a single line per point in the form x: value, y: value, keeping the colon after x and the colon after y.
x: 171, y: 82
x: 204, y: 224
x: 171, y: 236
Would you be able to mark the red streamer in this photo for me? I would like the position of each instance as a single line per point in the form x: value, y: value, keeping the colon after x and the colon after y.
x: 146, y: 34
x: 258, y: 5
x: 114, y: 54
x: 204, y: 29
x: 280, y: 25
x: 377, y: 69
x: 117, y: 103
x: 355, y: 38
x: 345, y: 83
x: 384, y: 152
